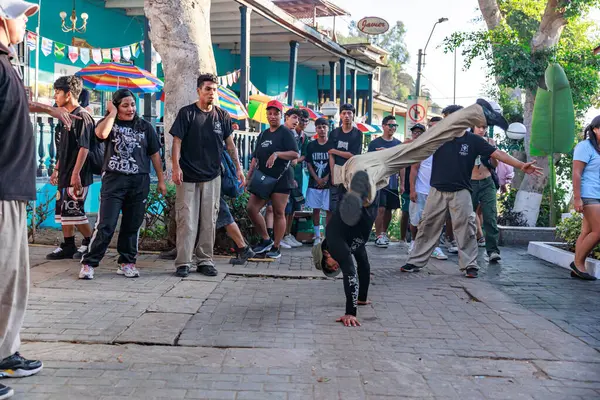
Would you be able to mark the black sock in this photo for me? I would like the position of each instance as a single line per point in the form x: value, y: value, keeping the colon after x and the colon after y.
x: 70, y: 241
x: 86, y: 241
x: 270, y: 232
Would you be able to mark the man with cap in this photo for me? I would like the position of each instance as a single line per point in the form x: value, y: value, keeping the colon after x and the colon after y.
x: 17, y: 187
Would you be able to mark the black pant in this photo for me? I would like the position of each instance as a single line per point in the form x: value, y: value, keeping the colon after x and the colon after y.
x: 356, y: 288
x: 126, y: 193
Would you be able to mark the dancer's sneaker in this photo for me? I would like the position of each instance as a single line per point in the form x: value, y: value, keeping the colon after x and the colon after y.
x: 263, y: 246
x: 82, y: 250
x: 16, y: 366
x: 386, y: 238
x: 291, y: 240
x: 410, y: 268
x: 492, y: 117
x: 274, y: 253
x: 471, y: 272
x: 494, y: 257
x: 6, y: 392
x: 481, y: 242
x: 62, y: 252
x: 284, y: 245
x: 453, y: 247
x: 380, y: 242
x: 352, y: 202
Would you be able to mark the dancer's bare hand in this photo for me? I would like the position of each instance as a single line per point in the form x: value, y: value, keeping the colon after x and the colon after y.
x: 54, y: 178
x: 177, y: 175
x: 348, y: 320
x: 413, y: 197
x: 271, y: 160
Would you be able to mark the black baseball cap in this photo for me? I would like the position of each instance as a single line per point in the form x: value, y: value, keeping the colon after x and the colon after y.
x: 418, y: 126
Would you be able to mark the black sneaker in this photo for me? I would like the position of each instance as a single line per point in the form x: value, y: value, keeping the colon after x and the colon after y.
x: 274, y: 252
x: 82, y: 250
x: 208, y: 270
x: 5, y: 392
x: 16, y: 366
x: 62, y: 252
x: 246, y: 253
x: 183, y: 271
x: 492, y: 116
x: 263, y: 246
x: 471, y: 272
x: 410, y: 268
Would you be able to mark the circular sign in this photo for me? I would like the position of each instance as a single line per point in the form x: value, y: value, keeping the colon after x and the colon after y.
x: 416, y: 113
x: 373, y: 25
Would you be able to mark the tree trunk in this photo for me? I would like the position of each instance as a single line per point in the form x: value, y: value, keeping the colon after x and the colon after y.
x: 180, y: 33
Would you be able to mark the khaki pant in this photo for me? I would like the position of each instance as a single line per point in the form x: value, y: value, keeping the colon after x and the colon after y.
x: 197, y: 207
x: 380, y: 165
x: 463, y: 224
x: 14, y: 274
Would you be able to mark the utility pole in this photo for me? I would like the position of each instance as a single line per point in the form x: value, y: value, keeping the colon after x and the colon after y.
x: 454, y: 102
x: 418, y: 82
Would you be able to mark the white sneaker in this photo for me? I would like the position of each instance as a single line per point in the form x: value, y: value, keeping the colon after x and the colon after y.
x: 316, y: 241
x: 386, y: 238
x: 129, y: 270
x: 291, y: 240
x: 453, y: 248
x: 86, y: 272
x: 495, y: 257
x: 439, y: 254
x: 284, y: 245
x: 380, y: 242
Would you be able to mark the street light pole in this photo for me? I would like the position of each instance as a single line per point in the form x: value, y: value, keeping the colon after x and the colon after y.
x: 421, y: 62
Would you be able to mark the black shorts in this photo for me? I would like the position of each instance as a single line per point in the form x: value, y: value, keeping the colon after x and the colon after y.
x: 69, y: 209
x: 389, y: 199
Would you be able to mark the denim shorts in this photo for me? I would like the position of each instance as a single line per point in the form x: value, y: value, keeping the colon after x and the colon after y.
x: 588, y: 201
x: 224, y: 218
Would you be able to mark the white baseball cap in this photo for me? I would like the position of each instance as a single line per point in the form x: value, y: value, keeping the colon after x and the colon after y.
x: 12, y: 9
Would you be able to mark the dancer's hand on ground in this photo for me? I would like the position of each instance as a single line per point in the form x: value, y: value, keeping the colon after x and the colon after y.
x: 578, y: 204
x: 162, y: 187
x: 531, y: 168
x: 177, y: 175
x: 348, y: 320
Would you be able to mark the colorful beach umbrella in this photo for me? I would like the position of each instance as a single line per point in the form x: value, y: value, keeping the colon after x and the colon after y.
x: 109, y: 77
x: 229, y: 102
x: 312, y: 114
x: 365, y: 128
x: 257, y: 108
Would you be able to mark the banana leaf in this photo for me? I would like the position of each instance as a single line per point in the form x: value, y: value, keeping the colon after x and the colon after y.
x: 553, y: 124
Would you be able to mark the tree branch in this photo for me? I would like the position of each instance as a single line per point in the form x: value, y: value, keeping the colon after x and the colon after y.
x: 491, y: 13
x: 552, y: 24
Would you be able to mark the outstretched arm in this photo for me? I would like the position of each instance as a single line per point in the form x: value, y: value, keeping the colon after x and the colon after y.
x: 528, y: 168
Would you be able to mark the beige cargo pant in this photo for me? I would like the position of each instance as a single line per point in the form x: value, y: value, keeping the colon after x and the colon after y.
x: 380, y: 165
x: 197, y: 207
x: 14, y: 274
x: 438, y: 204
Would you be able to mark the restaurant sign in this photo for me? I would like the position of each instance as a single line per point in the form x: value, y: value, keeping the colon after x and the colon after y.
x: 373, y: 25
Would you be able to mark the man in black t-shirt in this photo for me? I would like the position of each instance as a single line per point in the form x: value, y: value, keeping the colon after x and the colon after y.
x: 72, y: 173
x: 346, y: 141
x: 317, y: 161
x: 451, y: 190
x: 389, y: 196
x: 199, y: 132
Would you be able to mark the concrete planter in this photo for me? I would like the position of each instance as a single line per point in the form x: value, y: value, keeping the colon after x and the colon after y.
x: 522, y: 235
x: 563, y: 258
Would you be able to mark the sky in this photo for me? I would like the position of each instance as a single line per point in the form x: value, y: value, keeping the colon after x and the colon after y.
x: 418, y: 18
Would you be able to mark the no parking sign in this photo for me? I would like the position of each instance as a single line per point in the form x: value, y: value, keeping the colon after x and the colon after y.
x: 416, y: 113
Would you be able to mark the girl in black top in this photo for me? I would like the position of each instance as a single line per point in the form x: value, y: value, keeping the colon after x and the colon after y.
x: 131, y: 143
x: 275, y: 148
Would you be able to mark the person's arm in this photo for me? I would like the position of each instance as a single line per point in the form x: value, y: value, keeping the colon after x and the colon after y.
x: 175, y: 154
x: 105, y: 126
x: 233, y: 153
x: 157, y: 164
x: 414, y: 171
x: 60, y: 113
x: 528, y: 168
x: 331, y: 167
x: 343, y: 154
x: 75, y: 177
x: 578, y: 167
x: 54, y: 176
x: 251, y: 169
x: 493, y: 162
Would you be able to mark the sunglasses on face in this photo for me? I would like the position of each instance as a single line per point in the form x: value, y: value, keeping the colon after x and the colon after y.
x: 392, y: 126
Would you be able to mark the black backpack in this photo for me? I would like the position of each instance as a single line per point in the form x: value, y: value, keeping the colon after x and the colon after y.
x: 95, y: 158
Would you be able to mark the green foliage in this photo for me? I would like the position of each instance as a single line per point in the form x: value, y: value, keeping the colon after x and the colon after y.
x: 43, y: 210
x: 560, y: 205
x: 553, y: 124
x: 570, y: 228
x: 512, y: 107
x: 158, y: 214
x: 506, y: 216
x: 237, y: 206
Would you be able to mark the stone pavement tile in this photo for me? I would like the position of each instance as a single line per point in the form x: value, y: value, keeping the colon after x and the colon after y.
x: 177, y: 305
x: 192, y: 289
x: 155, y: 328
x: 573, y: 371
x: 210, y: 394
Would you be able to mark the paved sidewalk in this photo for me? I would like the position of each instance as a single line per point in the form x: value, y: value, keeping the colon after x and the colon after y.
x: 524, y: 330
